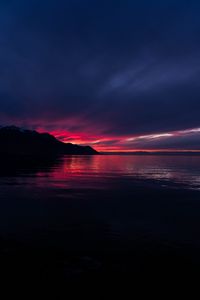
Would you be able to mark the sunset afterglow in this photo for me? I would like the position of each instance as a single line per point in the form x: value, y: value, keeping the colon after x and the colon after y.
x: 118, y: 77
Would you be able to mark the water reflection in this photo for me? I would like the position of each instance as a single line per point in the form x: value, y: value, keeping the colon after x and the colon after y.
x: 76, y: 203
x: 96, y: 171
x: 25, y: 166
x: 92, y: 170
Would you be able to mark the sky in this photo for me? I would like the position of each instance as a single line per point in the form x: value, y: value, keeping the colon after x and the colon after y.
x: 117, y: 75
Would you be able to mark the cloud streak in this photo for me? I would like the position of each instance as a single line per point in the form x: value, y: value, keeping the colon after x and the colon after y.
x: 102, y: 72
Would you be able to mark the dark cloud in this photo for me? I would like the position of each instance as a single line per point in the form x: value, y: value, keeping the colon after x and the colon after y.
x: 116, y: 68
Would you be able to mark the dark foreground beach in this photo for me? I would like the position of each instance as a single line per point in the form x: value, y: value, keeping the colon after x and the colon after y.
x: 67, y: 228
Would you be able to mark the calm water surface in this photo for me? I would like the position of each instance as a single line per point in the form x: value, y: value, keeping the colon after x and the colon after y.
x: 97, y: 171
x: 80, y: 201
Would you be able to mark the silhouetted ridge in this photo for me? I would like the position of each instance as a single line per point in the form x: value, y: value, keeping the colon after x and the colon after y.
x: 19, y: 141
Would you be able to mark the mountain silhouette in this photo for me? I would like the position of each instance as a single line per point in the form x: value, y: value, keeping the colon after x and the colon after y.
x: 15, y: 141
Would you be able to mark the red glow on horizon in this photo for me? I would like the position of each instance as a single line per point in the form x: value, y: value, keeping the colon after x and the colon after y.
x: 82, y: 132
x: 115, y: 144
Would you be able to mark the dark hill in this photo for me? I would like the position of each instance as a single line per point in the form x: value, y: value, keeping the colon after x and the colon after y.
x: 17, y: 141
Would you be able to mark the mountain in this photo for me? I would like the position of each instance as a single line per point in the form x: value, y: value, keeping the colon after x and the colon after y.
x: 16, y: 141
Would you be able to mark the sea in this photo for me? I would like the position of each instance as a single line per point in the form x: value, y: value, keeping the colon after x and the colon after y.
x: 82, y: 218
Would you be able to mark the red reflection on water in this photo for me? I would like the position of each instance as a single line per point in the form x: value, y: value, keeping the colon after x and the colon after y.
x: 90, y: 171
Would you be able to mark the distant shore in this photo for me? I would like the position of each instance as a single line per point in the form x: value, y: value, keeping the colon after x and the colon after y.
x: 171, y: 153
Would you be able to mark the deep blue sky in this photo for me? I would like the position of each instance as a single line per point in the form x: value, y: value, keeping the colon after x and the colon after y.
x: 119, y: 74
